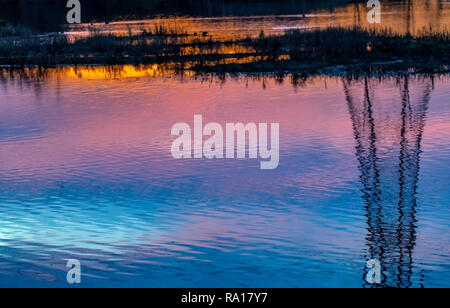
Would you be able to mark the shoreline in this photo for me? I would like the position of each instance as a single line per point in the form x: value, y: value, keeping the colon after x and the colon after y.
x: 304, y: 72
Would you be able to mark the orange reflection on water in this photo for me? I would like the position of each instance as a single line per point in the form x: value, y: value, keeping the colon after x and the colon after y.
x: 403, y: 17
x: 117, y: 71
x: 93, y: 72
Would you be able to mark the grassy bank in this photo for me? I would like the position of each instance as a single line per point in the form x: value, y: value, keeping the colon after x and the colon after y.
x: 347, y: 49
x: 295, y: 51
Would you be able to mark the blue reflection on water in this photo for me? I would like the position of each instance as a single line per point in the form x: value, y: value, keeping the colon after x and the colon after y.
x: 363, y: 174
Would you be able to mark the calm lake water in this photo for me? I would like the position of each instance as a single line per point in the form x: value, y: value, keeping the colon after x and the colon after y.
x: 86, y: 173
x: 399, y: 16
x: 86, y: 170
x: 225, y: 19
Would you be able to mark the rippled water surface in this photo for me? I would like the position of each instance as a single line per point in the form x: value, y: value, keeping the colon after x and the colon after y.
x: 86, y: 173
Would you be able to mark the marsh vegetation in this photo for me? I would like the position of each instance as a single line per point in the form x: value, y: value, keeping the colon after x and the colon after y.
x: 305, y: 51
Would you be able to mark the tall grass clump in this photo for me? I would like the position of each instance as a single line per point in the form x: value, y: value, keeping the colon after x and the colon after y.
x: 339, y: 45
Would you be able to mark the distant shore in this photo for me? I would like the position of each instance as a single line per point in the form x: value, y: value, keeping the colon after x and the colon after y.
x: 331, y: 51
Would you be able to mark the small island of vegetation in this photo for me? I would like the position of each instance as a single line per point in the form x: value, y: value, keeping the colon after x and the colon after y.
x: 331, y: 50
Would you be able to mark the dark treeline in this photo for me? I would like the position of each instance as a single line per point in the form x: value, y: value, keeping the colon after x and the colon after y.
x: 48, y: 15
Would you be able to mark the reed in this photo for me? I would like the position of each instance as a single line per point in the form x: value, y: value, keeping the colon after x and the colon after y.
x: 296, y: 50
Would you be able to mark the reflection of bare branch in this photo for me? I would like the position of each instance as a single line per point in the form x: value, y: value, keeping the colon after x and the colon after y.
x: 388, y: 140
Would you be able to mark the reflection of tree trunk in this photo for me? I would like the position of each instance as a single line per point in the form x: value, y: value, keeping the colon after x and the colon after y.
x: 409, y: 17
x: 356, y: 14
x: 388, y: 137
